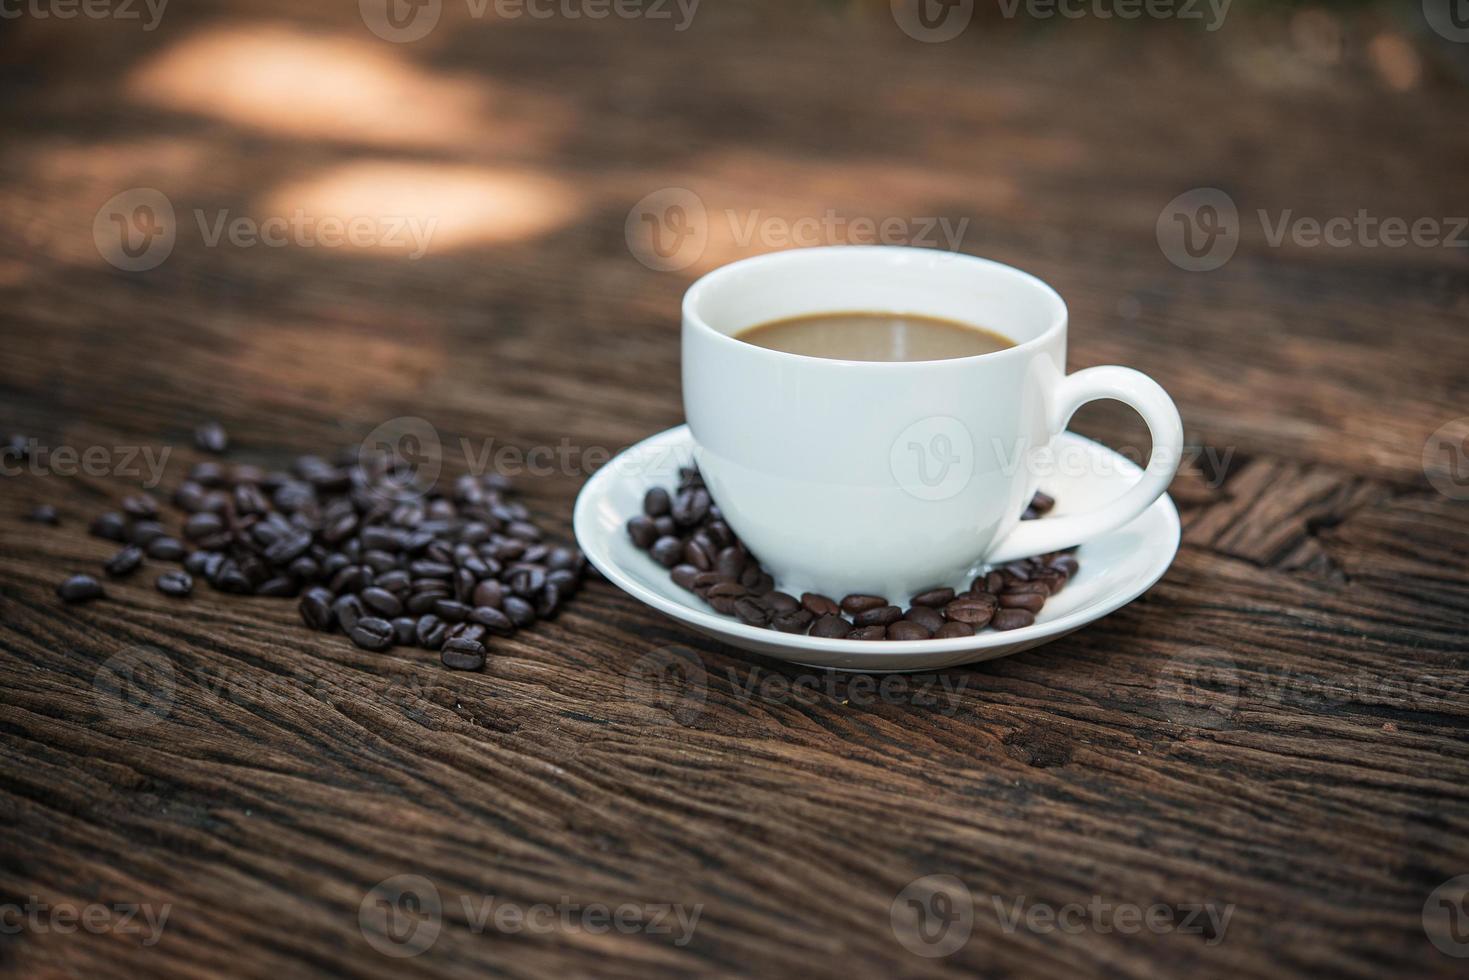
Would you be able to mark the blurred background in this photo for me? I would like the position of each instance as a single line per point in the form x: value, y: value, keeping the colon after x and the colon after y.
x: 342, y: 212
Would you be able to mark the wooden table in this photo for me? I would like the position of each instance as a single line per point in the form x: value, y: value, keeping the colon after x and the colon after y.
x: 1275, y: 733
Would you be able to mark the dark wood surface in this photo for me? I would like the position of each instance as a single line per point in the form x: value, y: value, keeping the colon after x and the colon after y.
x: 1278, y: 726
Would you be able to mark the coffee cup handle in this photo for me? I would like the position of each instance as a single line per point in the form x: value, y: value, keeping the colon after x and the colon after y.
x: 1148, y: 399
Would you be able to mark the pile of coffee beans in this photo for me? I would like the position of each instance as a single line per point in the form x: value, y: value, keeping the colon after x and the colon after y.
x: 363, y: 550
x: 684, y: 532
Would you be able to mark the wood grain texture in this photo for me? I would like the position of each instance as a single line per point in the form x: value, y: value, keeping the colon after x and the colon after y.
x: 1278, y: 727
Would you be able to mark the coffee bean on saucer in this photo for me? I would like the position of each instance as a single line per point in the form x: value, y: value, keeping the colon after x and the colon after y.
x: 880, y: 616
x: 1012, y: 619
x: 992, y: 582
x: 664, y: 526
x: 751, y: 612
x: 730, y: 562
x: 316, y: 608
x: 974, y: 612
x: 819, y: 604
x: 933, y: 598
x: 779, y: 602
x: 175, y: 582
x: 683, y: 576
x: 1029, y: 601
x: 1066, y: 564
x: 857, y: 603
x: 869, y: 633
x: 1042, y: 503
x: 796, y: 621
x: 906, y: 629
x: 725, y: 589
x: 930, y: 619
x: 462, y: 654
x: 723, y: 604
x: 125, y: 562
x: 643, y: 531
x: 831, y: 627
x: 80, y: 588
x: 656, y: 502
x: 667, y: 551
x: 165, y: 548
x: 690, y: 506
x: 372, y: 633
x: 43, y: 514
x: 953, y: 629
x: 143, y: 532
x: 212, y: 438
x: 696, y: 553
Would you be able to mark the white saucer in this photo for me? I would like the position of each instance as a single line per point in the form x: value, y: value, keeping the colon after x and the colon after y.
x: 1115, y: 568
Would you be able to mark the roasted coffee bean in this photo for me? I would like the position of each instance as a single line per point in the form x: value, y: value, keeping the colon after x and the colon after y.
x: 189, y: 496
x: 705, y: 580
x: 832, y: 627
x: 381, y: 601
x: 1036, y: 586
x: 751, y: 613
x: 796, y: 621
x: 141, y: 532
x: 723, y: 604
x: 230, y: 578
x: 125, y: 562
x: 869, y: 633
x: 405, y: 631
x: 371, y: 633
x: 1066, y: 565
x: 488, y: 593
x: 696, y: 554
x: 525, y: 581
x: 730, y: 562
x: 881, y: 616
x: 212, y: 438
x: 521, y: 613
x: 953, y: 629
x: 467, y: 631
x: 316, y: 609
x: 204, y: 563
x: 1012, y: 619
x: 431, y: 569
x: 202, y: 525
x: 548, y: 603
x: 991, y: 582
x: 1030, y: 514
x: 288, y: 549
x: 492, y: 619
x: 690, y: 506
x: 166, y: 549
x: 755, y: 580
x: 656, y: 502
x: 207, y: 474
x: 140, y: 506
x: 643, y: 531
x: 16, y: 447
x: 820, y: 605
x: 431, y: 631
x: 906, y: 629
x: 395, y: 580
x: 1042, y: 503
x: 249, y: 500
x: 279, y: 587
x: 861, y: 603
x: 353, y: 578
x: 463, y: 654
x: 975, y: 612
x: 684, y: 576
x: 80, y: 588
x: 667, y: 551
x: 933, y: 598
x: 112, y: 526
x: 1022, y: 600
x: 43, y: 514
x: 348, y: 610
x: 664, y: 526
x: 1017, y: 571
x: 451, y: 610
x: 726, y: 589
x: 175, y: 582
x: 930, y: 619
x: 779, y: 602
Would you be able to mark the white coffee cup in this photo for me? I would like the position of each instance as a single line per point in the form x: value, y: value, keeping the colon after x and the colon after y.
x: 893, y: 477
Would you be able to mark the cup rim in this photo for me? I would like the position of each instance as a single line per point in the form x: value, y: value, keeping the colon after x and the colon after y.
x: 1059, y: 318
